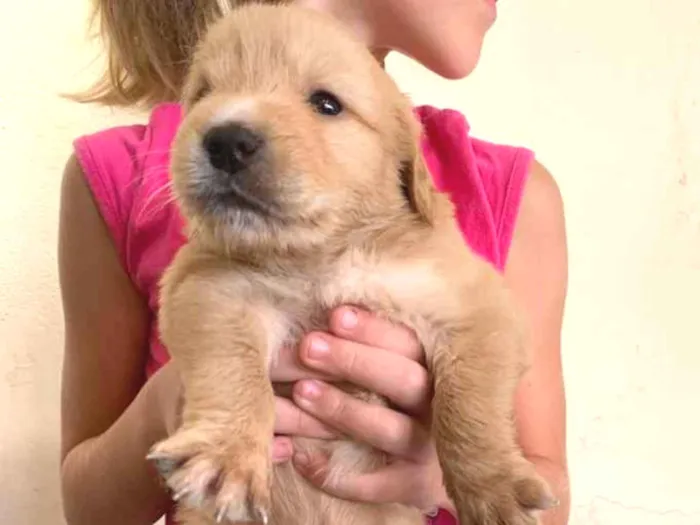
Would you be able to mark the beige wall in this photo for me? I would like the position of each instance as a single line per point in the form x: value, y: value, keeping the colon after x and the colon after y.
x: 608, y: 94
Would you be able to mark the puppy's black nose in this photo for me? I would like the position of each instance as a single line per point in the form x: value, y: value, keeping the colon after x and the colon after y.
x: 232, y: 147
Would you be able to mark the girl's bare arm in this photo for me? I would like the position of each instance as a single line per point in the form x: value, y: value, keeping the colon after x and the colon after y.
x: 109, y: 419
x: 537, y: 275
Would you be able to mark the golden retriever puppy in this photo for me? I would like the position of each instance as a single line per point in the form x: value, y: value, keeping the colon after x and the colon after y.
x: 299, y: 173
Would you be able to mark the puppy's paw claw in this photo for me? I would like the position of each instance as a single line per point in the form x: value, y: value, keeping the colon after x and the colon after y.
x: 262, y: 513
x: 237, y: 503
x: 515, y: 500
x: 533, y: 494
x: 229, y: 480
x: 164, y: 465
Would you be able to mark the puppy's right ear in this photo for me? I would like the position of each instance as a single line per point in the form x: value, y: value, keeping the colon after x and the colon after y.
x: 417, y: 186
x: 415, y: 178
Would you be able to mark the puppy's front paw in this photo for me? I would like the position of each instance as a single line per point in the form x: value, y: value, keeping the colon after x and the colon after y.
x: 227, y: 477
x: 514, y: 498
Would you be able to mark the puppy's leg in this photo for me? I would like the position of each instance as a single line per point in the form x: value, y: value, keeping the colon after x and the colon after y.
x: 476, y: 368
x: 218, y: 461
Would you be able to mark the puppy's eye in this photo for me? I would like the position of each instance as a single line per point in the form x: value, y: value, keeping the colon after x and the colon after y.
x: 325, y: 103
x: 202, y: 91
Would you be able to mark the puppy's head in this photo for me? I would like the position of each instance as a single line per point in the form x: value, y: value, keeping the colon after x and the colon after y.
x: 293, y: 134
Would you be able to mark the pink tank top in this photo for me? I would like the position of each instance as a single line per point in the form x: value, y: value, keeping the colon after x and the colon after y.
x: 127, y: 171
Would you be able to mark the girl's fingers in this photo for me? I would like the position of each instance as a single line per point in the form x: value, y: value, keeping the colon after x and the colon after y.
x: 290, y: 420
x: 398, y: 483
x: 358, y: 326
x: 282, y: 449
x: 288, y: 369
x: 362, y: 327
x: 383, y: 428
x: 405, y: 382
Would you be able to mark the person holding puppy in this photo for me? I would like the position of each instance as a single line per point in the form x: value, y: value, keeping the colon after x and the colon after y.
x: 120, y: 396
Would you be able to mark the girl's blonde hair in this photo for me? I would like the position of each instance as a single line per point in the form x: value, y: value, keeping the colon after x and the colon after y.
x: 149, y: 44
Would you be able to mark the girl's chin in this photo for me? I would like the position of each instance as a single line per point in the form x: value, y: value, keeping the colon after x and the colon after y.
x: 457, y: 66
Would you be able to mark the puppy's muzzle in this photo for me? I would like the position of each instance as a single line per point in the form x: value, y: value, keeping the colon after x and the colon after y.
x: 242, y: 176
x: 233, y: 148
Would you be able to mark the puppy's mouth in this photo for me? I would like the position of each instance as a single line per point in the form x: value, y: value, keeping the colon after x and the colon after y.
x: 232, y: 196
x: 232, y: 174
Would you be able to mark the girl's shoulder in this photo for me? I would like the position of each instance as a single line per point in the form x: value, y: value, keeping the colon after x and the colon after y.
x: 485, y: 180
x: 126, y: 169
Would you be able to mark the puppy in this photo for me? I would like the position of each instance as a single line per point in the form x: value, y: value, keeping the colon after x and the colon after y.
x: 299, y: 173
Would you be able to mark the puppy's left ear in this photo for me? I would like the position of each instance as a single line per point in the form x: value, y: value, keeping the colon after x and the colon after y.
x: 415, y: 179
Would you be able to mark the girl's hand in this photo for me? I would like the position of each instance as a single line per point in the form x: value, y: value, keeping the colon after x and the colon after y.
x: 290, y: 420
x: 386, y: 359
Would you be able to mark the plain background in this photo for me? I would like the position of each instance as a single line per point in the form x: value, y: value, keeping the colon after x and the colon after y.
x: 607, y: 95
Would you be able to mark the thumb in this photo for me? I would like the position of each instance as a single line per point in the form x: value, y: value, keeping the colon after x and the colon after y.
x: 392, y: 484
x: 282, y: 449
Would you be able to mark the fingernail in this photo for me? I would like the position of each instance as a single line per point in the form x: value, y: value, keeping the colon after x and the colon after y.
x: 318, y: 349
x: 310, y: 390
x: 349, y: 319
x: 281, y: 450
x: 302, y: 459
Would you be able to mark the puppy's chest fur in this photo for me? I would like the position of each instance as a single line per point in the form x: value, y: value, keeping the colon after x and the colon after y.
x: 290, y: 304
